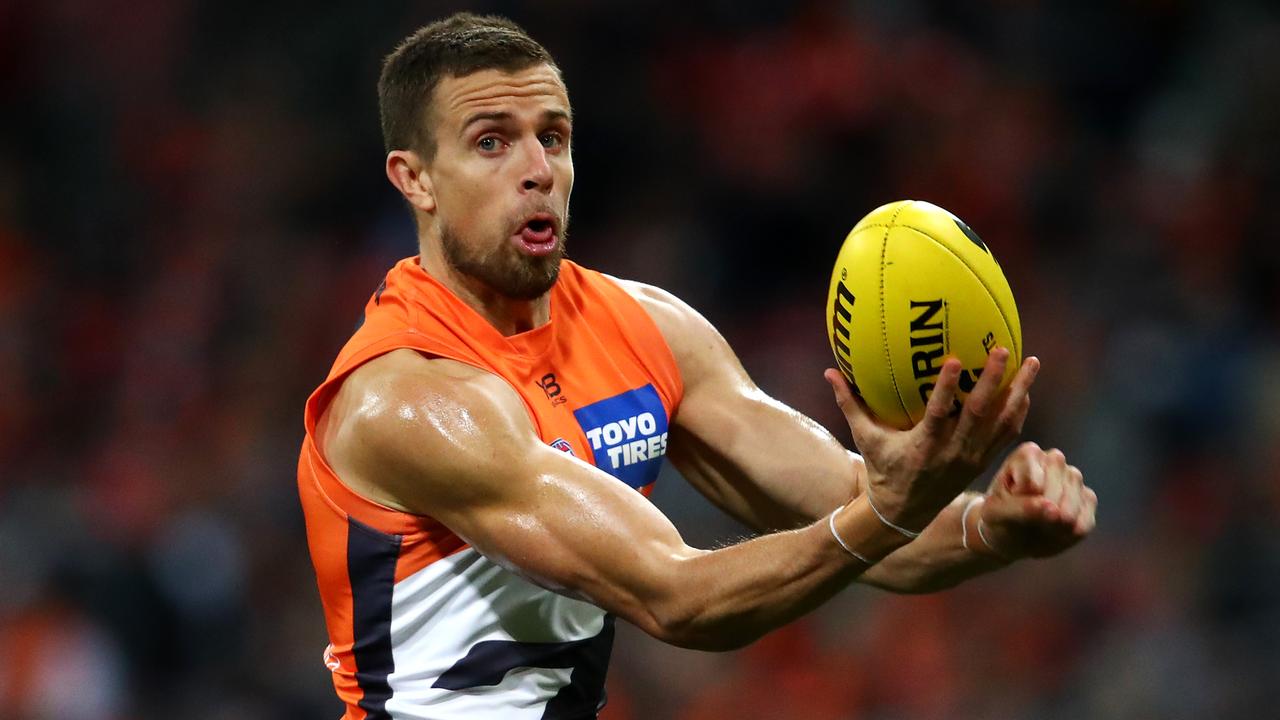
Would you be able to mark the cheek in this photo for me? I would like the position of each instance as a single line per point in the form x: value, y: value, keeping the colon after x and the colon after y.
x: 459, y: 182
x: 567, y: 180
x: 459, y: 204
x: 475, y: 213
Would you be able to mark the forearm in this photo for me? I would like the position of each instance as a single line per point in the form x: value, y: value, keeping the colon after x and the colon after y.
x: 726, y: 599
x: 937, y: 559
x: 768, y: 483
x: 830, y: 476
x: 934, y: 561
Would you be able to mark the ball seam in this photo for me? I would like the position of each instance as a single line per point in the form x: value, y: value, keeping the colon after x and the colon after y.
x: 1017, y: 350
x: 884, y: 327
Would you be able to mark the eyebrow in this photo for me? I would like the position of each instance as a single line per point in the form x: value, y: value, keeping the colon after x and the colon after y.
x: 547, y: 116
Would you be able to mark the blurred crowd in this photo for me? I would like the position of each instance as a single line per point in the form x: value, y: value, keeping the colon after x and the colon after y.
x: 193, y: 212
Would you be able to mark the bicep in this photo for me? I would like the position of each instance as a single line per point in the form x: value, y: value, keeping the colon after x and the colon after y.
x: 572, y: 528
x: 462, y: 450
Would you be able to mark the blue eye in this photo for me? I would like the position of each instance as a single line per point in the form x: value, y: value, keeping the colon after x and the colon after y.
x: 488, y: 144
x: 551, y: 140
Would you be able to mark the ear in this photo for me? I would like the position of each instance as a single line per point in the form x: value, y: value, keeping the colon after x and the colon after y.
x: 408, y: 173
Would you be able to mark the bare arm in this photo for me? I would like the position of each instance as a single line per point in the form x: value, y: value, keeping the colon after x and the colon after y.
x: 770, y: 467
x: 760, y: 461
x: 443, y: 439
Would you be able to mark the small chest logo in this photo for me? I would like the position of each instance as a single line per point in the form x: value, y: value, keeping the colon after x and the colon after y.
x: 331, y: 661
x: 627, y: 434
x: 562, y: 445
x: 552, y: 389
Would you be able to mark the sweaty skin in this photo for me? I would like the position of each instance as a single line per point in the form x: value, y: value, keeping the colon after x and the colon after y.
x: 440, y: 438
x: 502, y: 155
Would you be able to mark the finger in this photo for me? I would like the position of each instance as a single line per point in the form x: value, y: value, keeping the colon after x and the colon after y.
x: 1055, y: 475
x: 937, y: 413
x: 867, y: 433
x: 1018, y: 402
x: 1027, y: 463
x: 984, y: 391
x: 1088, y: 515
x: 1023, y: 380
x: 1016, y: 509
x: 981, y: 399
x: 1072, y: 501
x: 1012, y: 419
x: 1045, y: 510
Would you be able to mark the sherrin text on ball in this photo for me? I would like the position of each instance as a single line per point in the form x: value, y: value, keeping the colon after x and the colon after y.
x: 912, y: 286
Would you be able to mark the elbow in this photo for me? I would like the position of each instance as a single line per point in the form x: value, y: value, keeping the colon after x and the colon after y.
x: 675, y: 607
x: 687, y: 625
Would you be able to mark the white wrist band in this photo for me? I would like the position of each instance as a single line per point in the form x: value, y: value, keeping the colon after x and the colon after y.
x: 964, y: 519
x: 987, y: 542
x: 831, y: 523
x: 885, y: 520
x: 964, y: 527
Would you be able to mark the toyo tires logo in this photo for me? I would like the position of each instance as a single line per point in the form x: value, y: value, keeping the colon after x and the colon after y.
x: 627, y: 434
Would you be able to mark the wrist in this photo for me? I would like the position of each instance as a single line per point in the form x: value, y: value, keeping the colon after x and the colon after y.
x: 975, y: 534
x: 859, y: 530
x: 890, y: 508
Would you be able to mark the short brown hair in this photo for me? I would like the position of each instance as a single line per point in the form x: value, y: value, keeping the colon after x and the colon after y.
x: 458, y: 45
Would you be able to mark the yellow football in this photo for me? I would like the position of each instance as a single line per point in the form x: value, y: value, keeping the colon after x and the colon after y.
x: 912, y: 286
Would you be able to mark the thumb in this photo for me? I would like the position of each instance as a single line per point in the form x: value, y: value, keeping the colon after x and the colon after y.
x: 1015, y: 510
x: 1025, y: 471
x: 867, y: 433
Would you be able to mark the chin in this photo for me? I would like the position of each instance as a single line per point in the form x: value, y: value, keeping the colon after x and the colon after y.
x: 533, y: 280
x: 505, y: 270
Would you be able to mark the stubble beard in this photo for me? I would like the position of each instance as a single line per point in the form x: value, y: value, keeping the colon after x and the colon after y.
x: 504, y: 269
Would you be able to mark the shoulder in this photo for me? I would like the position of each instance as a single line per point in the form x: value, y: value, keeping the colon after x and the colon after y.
x: 652, y: 297
x: 403, y: 415
x: 663, y: 307
x: 699, y: 349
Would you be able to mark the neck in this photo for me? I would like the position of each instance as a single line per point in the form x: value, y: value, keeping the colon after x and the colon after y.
x: 508, y: 316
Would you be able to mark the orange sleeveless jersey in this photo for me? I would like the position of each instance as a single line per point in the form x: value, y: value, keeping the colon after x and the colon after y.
x: 421, y: 625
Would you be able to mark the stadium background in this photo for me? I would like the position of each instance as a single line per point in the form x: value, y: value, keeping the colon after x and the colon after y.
x: 193, y: 211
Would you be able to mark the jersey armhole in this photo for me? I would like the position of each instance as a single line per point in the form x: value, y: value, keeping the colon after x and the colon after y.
x: 338, y: 494
x: 651, y: 348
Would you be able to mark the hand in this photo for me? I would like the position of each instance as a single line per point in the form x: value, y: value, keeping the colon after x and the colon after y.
x: 912, y: 474
x: 1037, y: 505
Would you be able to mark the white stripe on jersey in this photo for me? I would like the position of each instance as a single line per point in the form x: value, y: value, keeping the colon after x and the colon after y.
x: 441, y: 611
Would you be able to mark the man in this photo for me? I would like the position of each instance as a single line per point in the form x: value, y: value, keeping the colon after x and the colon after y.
x: 470, y: 468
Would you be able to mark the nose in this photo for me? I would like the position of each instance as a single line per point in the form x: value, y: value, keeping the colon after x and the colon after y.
x: 537, y: 171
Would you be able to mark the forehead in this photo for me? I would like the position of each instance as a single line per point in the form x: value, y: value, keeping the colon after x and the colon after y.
x: 534, y: 89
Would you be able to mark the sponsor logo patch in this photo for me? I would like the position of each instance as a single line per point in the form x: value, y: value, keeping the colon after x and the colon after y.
x: 627, y: 434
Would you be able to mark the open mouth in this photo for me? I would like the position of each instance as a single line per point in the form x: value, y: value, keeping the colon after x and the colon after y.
x: 538, y: 234
x: 541, y: 225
